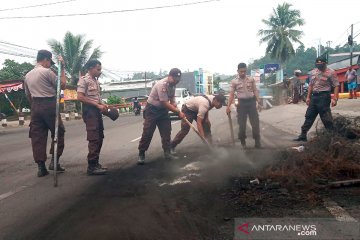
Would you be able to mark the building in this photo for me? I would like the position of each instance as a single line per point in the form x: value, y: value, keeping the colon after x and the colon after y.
x: 197, y: 82
x: 126, y: 89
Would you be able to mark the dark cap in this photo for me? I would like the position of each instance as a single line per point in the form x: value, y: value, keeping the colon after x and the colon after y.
x: 112, y: 113
x: 175, y: 72
x: 320, y: 60
x: 221, y: 98
x: 44, y: 54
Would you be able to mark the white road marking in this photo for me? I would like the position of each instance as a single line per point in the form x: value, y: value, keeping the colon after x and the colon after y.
x: 137, y: 139
x: 175, y: 122
x: 8, y: 194
x: 338, y: 212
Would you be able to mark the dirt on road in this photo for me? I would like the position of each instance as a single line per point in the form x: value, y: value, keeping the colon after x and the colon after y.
x: 195, y: 197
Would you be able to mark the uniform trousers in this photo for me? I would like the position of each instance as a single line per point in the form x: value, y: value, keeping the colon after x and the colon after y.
x: 247, y: 107
x: 156, y: 116
x: 185, y: 128
x: 319, y: 104
x: 95, y: 131
x: 43, y: 115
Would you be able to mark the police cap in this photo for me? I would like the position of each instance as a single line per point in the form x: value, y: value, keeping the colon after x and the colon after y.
x: 112, y: 113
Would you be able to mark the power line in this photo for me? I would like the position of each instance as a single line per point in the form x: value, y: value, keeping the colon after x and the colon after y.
x: 32, y: 6
x: 339, y: 38
x: 15, y: 49
x: 17, y: 45
x: 111, y: 12
x: 16, y: 54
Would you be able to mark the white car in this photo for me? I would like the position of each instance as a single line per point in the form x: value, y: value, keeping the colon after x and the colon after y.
x: 181, y: 96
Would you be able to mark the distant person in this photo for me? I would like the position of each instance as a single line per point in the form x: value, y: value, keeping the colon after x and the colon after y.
x: 197, y: 108
x: 296, y: 86
x: 322, y: 79
x: 161, y: 100
x: 136, y: 104
x: 351, y: 77
x: 40, y: 89
x: 88, y: 90
x: 243, y: 87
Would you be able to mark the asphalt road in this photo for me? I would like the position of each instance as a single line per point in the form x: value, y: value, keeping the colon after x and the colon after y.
x: 31, y: 208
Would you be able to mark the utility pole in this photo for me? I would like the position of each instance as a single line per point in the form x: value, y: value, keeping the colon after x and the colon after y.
x: 351, y: 42
x: 145, y: 83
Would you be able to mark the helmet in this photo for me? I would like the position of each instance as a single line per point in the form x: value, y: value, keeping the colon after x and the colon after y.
x: 297, y: 71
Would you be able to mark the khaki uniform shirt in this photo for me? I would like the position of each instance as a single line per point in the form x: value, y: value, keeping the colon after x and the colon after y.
x: 243, y: 88
x: 161, y: 92
x: 90, y: 87
x: 40, y: 82
x: 323, y: 81
x: 200, y: 105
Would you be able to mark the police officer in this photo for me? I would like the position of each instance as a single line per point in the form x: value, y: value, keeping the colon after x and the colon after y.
x: 197, y: 108
x: 244, y: 88
x: 88, y: 90
x: 40, y: 89
x: 322, y: 79
x: 161, y: 100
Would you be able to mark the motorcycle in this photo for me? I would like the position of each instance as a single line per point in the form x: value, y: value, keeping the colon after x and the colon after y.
x: 137, y: 110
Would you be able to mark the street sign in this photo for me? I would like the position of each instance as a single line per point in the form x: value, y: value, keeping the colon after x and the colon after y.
x: 271, y: 67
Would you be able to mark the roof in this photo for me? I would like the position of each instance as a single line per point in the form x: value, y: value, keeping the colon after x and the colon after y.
x: 340, y: 57
x: 345, y: 63
x: 129, y: 85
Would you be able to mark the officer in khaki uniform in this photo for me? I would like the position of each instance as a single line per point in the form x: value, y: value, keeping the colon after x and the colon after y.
x: 197, y: 108
x: 40, y: 89
x: 244, y: 88
x: 161, y: 100
x: 88, y: 90
x: 322, y: 79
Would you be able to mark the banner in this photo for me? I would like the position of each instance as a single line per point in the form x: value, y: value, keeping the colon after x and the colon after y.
x: 11, y: 87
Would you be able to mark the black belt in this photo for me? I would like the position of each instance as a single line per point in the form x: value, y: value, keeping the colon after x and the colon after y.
x: 43, y: 99
x: 320, y: 93
x: 149, y: 105
x: 247, y: 99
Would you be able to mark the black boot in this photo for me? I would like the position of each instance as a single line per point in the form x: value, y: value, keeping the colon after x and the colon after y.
x: 94, y: 168
x: 301, y: 138
x: 243, y: 143
x: 101, y: 166
x: 59, y: 169
x: 257, y: 143
x: 141, y: 158
x: 169, y: 156
x: 42, y: 171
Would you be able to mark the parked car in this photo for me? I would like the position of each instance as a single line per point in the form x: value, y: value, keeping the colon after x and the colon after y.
x: 181, y: 96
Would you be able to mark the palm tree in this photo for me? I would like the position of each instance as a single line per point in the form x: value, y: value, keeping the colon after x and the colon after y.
x: 76, y: 52
x: 281, y: 34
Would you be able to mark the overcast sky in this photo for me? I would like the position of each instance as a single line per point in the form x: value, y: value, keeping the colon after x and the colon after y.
x: 215, y: 36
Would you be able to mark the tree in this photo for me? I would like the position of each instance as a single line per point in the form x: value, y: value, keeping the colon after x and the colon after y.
x: 76, y: 53
x: 14, y: 71
x: 281, y: 34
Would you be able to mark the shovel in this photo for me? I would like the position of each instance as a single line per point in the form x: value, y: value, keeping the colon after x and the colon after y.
x: 197, y: 132
x: 231, y: 130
